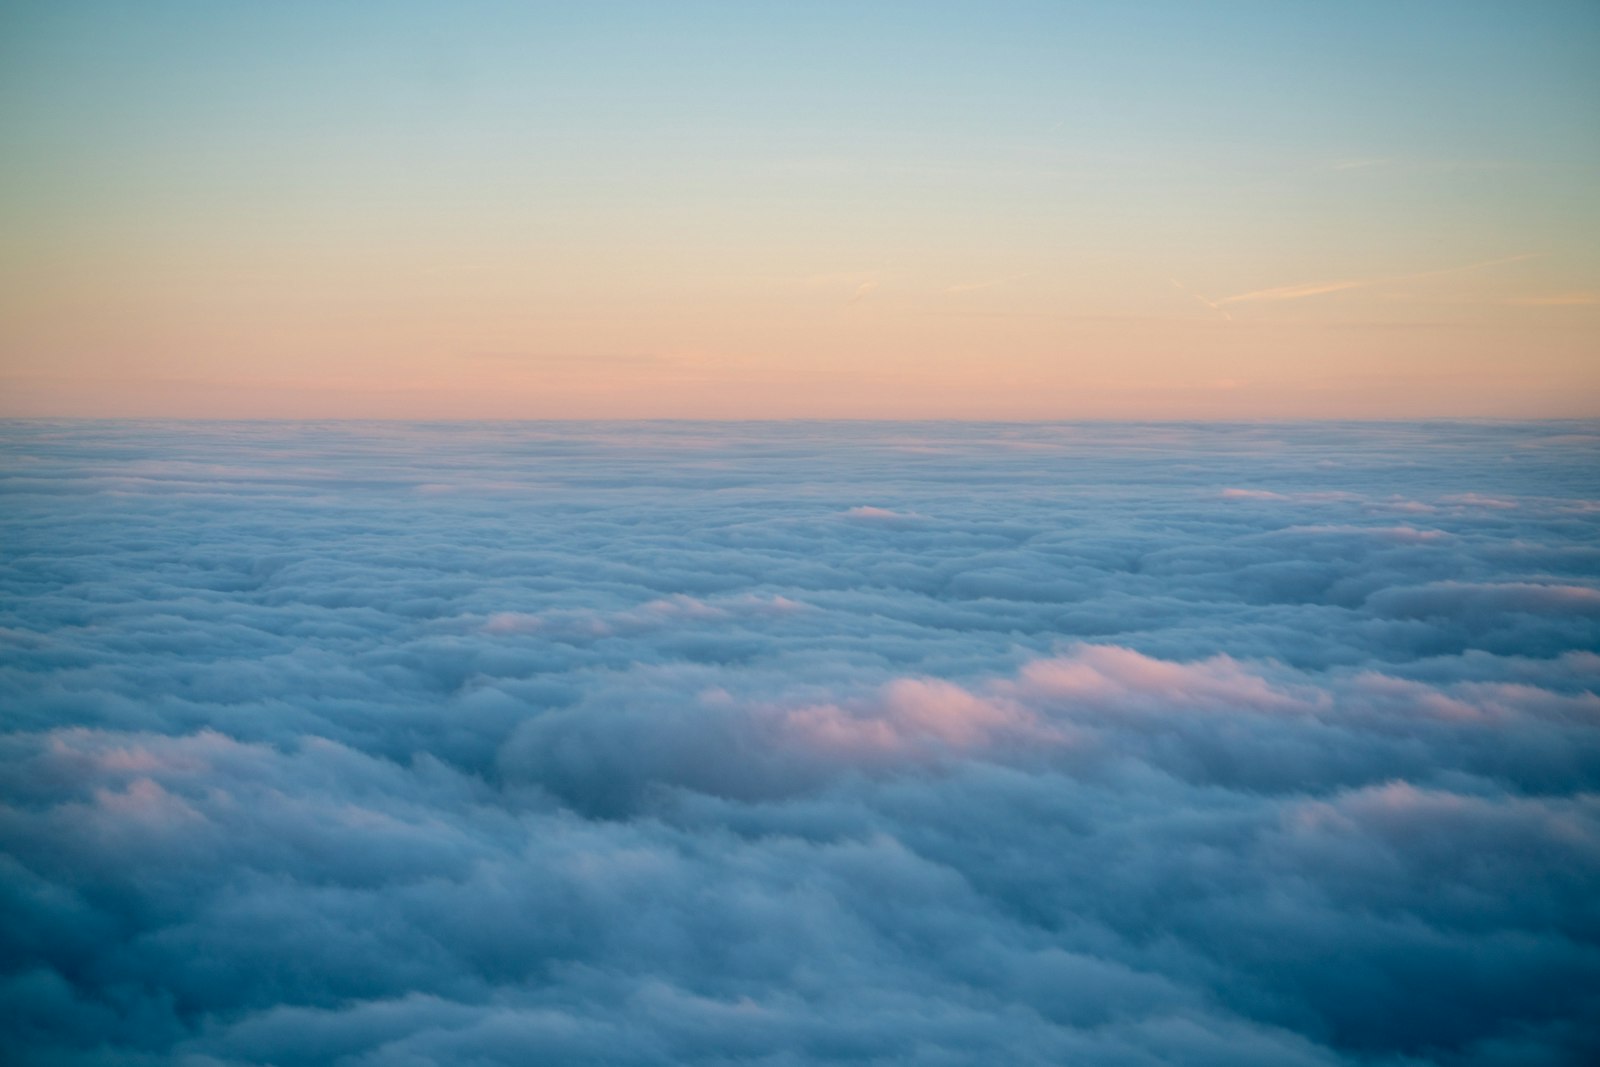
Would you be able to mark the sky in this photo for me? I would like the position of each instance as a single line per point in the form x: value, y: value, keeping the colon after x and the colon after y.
x: 888, y: 744
x: 989, y: 211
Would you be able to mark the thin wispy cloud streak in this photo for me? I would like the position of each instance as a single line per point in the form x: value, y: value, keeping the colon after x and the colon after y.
x: 799, y: 743
x: 864, y: 290
x: 1212, y: 304
x: 1555, y: 300
x: 1300, y: 292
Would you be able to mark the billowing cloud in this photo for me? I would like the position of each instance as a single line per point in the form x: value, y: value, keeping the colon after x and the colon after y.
x: 881, y: 744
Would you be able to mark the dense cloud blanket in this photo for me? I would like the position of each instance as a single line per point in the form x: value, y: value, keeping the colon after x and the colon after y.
x: 792, y: 744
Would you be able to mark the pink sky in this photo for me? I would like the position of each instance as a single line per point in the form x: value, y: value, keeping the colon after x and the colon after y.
x: 1074, y: 213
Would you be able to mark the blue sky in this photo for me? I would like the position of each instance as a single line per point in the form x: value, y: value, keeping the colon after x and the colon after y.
x: 770, y: 209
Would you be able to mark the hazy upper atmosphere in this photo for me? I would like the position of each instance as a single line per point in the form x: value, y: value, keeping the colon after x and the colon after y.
x: 781, y: 744
x: 1019, y: 209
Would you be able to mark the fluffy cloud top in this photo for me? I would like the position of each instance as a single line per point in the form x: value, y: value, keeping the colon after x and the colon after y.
x: 791, y: 744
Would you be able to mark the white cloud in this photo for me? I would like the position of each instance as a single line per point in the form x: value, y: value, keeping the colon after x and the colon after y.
x: 675, y: 743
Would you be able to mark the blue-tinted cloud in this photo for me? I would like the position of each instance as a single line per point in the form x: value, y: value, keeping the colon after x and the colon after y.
x: 791, y: 744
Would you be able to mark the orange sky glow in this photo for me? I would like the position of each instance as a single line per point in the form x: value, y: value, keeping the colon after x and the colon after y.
x: 1064, y: 214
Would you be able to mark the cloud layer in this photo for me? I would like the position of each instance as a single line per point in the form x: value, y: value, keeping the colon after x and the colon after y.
x: 805, y: 743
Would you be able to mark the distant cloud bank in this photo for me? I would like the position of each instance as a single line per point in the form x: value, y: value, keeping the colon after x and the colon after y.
x: 677, y: 743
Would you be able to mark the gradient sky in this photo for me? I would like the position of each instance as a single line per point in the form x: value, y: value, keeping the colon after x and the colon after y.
x: 1014, y: 210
